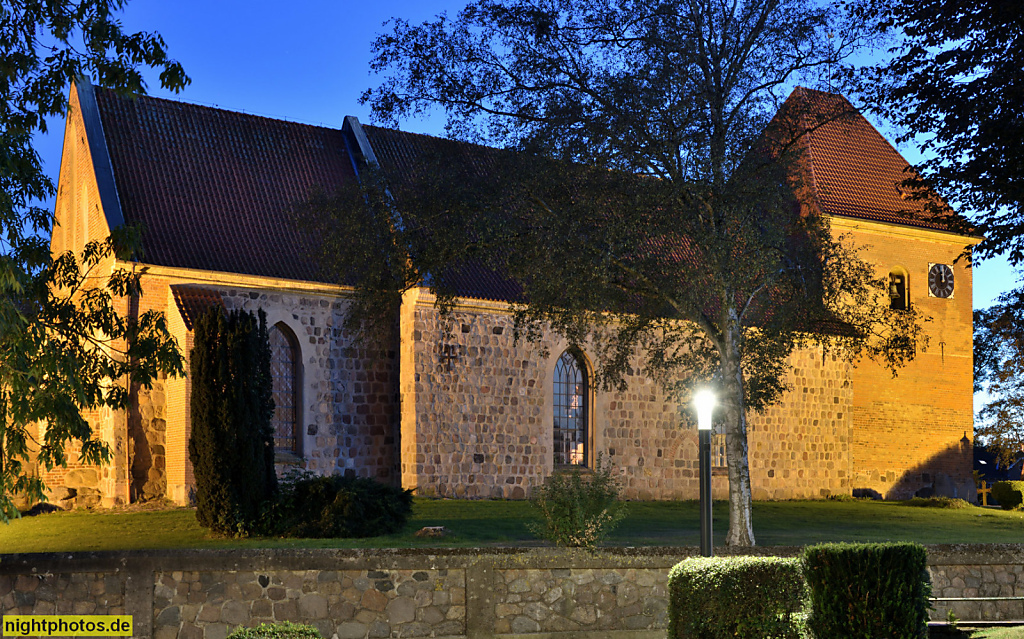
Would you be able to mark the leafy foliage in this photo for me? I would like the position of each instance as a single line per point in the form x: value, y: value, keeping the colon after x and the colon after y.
x: 938, y: 502
x: 282, y: 630
x: 63, y: 349
x: 865, y: 591
x: 647, y: 214
x: 1009, y: 494
x: 742, y: 597
x: 328, y: 507
x: 578, y: 509
x: 232, y: 441
x: 954, y: 80
x: 999, y: 370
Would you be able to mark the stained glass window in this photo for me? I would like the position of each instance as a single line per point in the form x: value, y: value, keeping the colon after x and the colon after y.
x: 571, y: 410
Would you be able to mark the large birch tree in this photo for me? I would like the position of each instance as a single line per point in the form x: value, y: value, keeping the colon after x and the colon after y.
x: 644, y: 210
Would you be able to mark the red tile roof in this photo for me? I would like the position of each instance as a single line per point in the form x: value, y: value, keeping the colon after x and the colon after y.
x: 214, y: 188
x: 853, y: 170
x: 193, y: 301
x: 397, y: 153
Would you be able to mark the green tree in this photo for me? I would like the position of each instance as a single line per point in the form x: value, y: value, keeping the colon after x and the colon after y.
x: 999, y: 370
x: 647, y: 213
x: 954, y: 82
x: 954, y: 79
x: 232, y: 441
x: 63, y: 349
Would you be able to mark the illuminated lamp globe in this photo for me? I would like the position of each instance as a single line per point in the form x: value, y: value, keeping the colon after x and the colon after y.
x: 704, y: 401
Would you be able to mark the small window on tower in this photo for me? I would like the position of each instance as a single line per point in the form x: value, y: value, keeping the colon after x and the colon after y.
x: 899, y: 290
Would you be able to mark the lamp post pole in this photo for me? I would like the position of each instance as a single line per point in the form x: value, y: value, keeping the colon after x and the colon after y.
x: 705, y: 403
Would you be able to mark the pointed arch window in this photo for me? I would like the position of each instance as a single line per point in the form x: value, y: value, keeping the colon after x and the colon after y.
x: 571, y: 410
x: 284, y: 372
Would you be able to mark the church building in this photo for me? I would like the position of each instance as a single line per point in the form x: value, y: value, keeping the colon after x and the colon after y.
x: 471, y: 413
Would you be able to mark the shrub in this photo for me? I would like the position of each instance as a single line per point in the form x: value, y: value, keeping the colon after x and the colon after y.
x: 938, y: 502
x: 232, y: 441
x: 841, y: 497
x: 867, y: 591
x: 283, y: 630
x: 867, y: 493
x: 578, y: 508
x: 1009, y: 494
x: 735, y: 597
x: 336, y: 506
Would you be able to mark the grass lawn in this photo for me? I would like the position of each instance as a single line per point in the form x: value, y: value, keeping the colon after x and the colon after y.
x: 999, y: 633
x: 484, y: 523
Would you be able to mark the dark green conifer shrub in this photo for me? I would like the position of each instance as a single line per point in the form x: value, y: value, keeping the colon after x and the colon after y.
x: 232, y: 441
x: 336, y: 506
x: 867, y: 591
x: 735, y: 598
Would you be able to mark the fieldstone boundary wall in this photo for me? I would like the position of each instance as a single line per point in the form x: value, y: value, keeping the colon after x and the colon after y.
x: 514, y: 593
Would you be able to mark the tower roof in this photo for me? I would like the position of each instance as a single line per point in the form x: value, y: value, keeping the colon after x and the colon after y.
x: 852, y: 170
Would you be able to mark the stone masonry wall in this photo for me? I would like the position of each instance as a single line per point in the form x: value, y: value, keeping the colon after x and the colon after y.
x: 428, y: 592
x: 586, y: 600
x: 63, y: 593
x: 477, y: 428
x: 349, y: 397
x: 147, y: 425
x: 978, y: 583
x: 478, y: 413
x: 349, y: 604
x: 800, y: 448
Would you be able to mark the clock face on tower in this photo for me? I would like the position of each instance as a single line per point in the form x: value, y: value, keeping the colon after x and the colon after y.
x: 940, y: 280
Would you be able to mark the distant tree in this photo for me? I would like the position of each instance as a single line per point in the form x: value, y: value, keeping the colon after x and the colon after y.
x: 999, y: 370
x: 232, y: 442
x: 63, y: 349
x: 954, y: 82
x: 647, y: 214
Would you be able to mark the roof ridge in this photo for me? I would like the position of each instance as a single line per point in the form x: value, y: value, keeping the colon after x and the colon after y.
x: 434, y: 137
x: 208, y: 107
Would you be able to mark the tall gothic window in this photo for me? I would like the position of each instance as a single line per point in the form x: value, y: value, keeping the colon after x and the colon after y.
x: 572, y: 412
x: 284, y: 367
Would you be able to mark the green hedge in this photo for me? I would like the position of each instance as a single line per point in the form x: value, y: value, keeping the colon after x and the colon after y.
x: 1009, y: 494
x: 735, y: 598
x: 283, y: 630
x: 867, y: 591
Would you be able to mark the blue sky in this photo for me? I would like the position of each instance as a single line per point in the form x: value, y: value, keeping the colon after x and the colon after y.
x: 308, y: 61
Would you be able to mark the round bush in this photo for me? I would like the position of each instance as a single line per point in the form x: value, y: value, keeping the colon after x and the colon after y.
x: 1009, y: 494
x: 335, y: 506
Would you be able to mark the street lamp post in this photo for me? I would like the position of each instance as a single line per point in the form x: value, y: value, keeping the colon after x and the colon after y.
x: 704, y: 401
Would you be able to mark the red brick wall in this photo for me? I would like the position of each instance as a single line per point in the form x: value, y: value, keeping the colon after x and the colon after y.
x: 907, y: 430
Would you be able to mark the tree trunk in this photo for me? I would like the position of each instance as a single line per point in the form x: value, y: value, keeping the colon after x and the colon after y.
x: 741, y: 530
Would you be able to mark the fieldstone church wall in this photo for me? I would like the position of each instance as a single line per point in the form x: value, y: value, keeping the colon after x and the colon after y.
x: 347, y: 403
x: 349, y: 409
x: 477, y: 414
